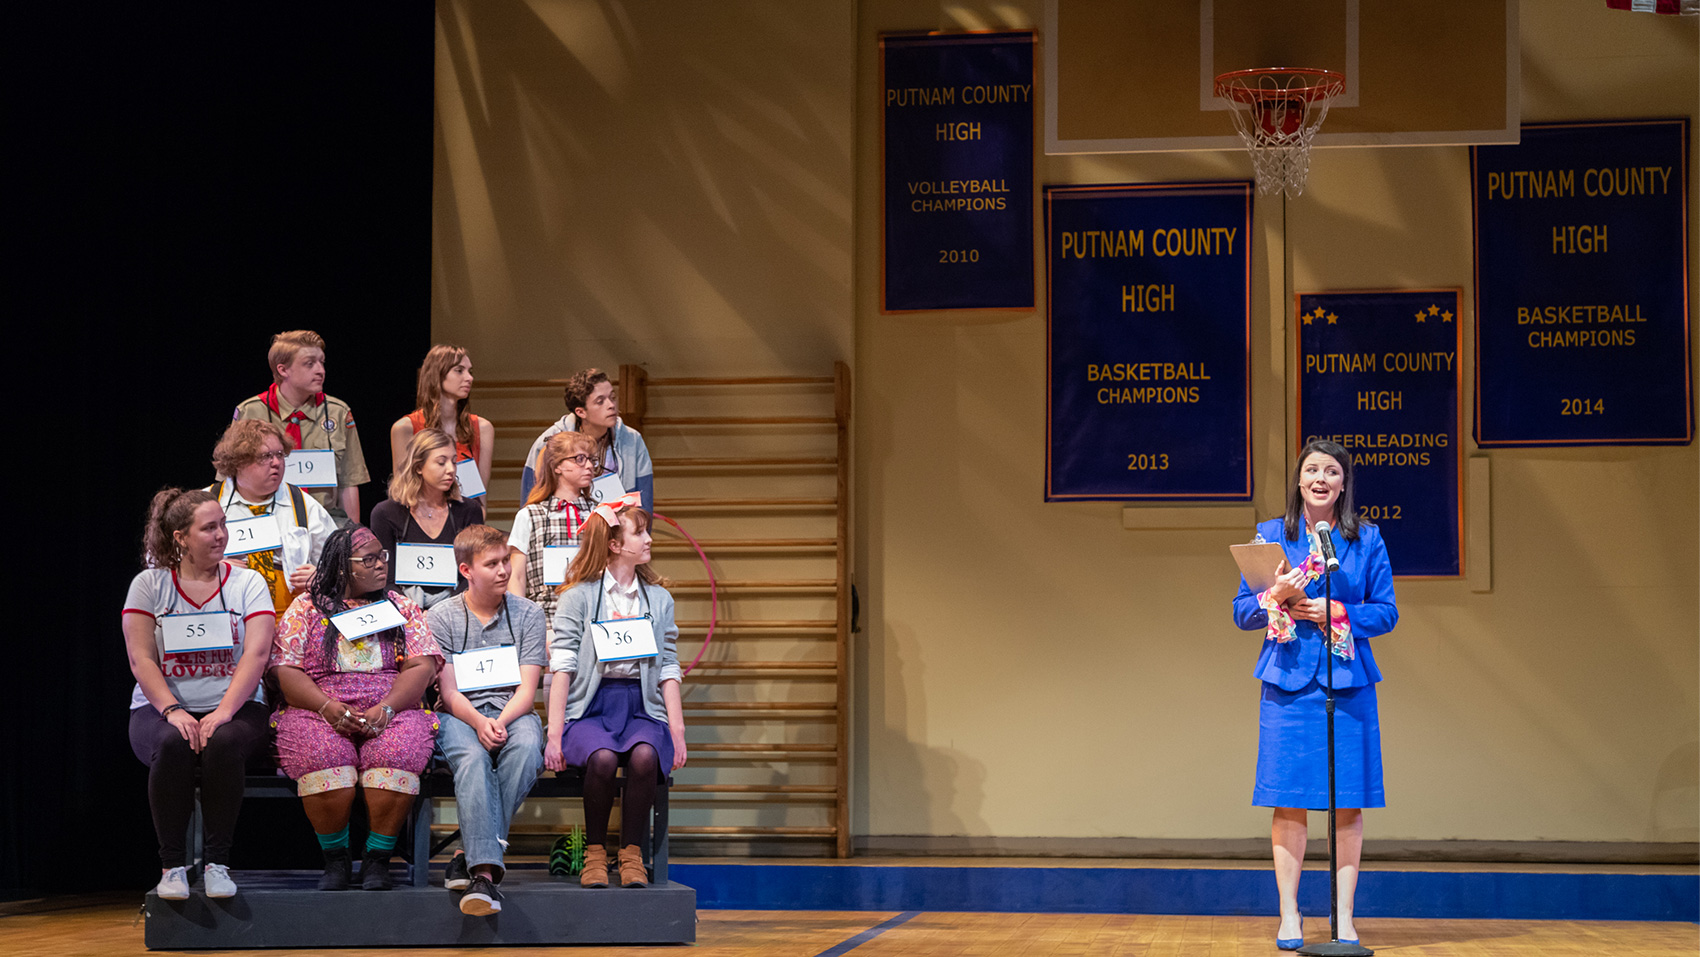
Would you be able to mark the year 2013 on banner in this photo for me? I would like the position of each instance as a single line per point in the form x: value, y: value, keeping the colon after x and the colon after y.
x: 1149, y: 326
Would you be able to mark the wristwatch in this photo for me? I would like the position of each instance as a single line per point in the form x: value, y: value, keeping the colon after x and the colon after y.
x: 389, y: 713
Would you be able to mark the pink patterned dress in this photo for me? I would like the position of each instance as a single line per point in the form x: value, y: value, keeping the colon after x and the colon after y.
x: 360, y: 673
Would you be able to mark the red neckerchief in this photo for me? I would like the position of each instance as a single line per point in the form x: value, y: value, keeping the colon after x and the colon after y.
x: 292, y: 425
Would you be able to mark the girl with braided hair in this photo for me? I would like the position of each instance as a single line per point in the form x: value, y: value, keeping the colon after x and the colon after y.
x: 353, y: 714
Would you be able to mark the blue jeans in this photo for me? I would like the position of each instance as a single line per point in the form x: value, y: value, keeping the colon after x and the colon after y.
x: 490, y: 786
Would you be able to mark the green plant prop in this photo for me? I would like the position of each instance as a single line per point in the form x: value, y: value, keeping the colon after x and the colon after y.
x: 566, y: 856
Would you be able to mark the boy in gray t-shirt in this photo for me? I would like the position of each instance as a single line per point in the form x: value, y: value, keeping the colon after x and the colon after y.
x: 497, y: 646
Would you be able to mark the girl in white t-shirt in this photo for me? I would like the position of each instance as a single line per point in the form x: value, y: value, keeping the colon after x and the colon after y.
x: 199, y: 634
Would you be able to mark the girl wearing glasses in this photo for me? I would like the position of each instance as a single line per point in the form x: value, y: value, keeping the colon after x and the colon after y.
x: 250, y: 460
x: 353, y: 706
x: 557, y: 506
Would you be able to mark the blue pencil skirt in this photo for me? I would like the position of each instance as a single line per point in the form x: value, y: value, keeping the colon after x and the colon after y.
x: 1292, y: 748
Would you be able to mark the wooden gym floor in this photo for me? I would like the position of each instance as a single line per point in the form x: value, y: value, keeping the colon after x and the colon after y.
x: 105, y: 926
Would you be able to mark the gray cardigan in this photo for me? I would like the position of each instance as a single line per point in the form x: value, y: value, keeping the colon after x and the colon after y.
x: 570, y: 651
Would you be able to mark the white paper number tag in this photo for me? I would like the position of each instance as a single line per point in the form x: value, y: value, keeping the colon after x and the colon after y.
x: 311, y: 468
x: 622, y: 639
x: 494, y: 667
x: 195, y: 631
x: 471, y: 483
x: 357, y: 623
x: 249, y: 535
x: 556, y: 558
x: 432, y: 565
x: 606, y: 488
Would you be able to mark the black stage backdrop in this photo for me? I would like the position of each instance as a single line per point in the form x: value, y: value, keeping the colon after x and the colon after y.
x: 182, y: 183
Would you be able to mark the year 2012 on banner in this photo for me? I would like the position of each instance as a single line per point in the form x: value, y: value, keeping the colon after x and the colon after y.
x: 1149, y: 325
x: 1378, y: 373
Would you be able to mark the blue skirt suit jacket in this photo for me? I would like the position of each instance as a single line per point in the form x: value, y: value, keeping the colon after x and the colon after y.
x: 1292, y: 744
x: 1364, y: 584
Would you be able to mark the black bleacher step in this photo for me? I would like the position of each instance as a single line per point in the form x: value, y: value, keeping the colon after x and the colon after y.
x: 284, y: 909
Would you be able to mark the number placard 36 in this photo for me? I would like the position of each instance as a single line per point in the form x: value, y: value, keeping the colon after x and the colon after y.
x: 622, y: 639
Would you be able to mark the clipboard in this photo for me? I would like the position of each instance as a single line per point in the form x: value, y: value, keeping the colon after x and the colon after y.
x: 1258, y: 563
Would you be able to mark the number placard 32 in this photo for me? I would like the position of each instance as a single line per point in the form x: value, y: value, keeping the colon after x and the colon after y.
x: 357, y: 623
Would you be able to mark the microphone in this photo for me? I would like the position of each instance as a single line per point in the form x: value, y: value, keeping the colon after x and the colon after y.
x: 1325, y: 539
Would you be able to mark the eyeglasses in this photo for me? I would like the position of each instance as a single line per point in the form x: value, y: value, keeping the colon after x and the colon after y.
x: 374, y: 560
x: 271, y: 457
x: 587, y: 462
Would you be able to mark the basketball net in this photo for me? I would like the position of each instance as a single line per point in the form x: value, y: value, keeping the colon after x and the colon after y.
x: 1277, y: 111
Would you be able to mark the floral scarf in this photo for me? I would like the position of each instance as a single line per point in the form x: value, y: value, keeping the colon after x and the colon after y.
x: 1283, y: 629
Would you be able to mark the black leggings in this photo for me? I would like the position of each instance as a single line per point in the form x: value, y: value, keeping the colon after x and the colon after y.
x: 171, y: 777
x: 643, y: 771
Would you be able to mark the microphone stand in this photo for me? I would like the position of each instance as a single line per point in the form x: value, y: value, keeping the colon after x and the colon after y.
x: 1333, y: 947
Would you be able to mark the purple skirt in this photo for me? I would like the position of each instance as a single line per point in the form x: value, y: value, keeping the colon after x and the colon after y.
x: 615, y: 720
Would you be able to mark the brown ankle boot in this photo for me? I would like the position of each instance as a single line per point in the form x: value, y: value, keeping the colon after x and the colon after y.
x: 632, y: 871
x: 595, y: 873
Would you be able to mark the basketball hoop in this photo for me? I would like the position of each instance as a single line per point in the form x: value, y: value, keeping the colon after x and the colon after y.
x: 1277, y: 111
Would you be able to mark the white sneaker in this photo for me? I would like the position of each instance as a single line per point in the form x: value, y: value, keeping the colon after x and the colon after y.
x: 215, y: 879
x: 173, y: 885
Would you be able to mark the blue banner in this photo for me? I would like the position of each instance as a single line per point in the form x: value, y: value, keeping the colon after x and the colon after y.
x: 1378, y: 373
x: 1582, y: 286
x: 1149, y: 336
x: 957, y: 171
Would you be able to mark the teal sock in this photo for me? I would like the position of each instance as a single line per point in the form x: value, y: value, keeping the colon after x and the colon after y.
x: 382, y: 843
x: 331, y: 842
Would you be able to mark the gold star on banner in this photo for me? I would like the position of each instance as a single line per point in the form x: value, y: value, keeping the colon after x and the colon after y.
x: 1331, y: 317
x: 1421, y: 315
x: 1306, y: 317
x: 1434, y: 310
x: 1446, y: 316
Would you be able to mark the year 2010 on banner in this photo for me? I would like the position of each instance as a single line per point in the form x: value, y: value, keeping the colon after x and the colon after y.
x: 957, y: 171
x: 1149, y: 342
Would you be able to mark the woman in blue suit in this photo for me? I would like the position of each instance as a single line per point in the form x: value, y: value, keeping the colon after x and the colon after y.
x: 1292, y: 747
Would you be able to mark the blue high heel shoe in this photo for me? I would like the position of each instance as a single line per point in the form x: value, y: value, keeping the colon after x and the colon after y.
x: 1289, y: 943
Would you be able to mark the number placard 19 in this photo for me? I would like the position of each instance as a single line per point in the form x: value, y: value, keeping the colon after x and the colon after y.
x: 466, y: 475
x: 311, y: 468
x: 556, y: 559
x: 357, y: 623
x: 249, y: 535
x: 622, y: 639
x: 494, y: 667
x: 432, y: 565
x: 195, y: 631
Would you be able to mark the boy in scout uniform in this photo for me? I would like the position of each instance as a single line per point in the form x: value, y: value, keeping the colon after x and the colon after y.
x: 312, y: 419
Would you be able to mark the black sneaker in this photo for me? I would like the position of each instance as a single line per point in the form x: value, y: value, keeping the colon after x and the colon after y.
x: 339, y: 870
x: 456, y: 876
x: 481, y: 898
x: 375, y: 872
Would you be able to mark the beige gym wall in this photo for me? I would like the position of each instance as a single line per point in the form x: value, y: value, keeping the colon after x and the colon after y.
x: 696, y: 187
x: 661, y: 183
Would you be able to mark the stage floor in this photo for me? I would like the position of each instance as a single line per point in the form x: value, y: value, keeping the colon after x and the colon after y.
x: 107, y: 929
